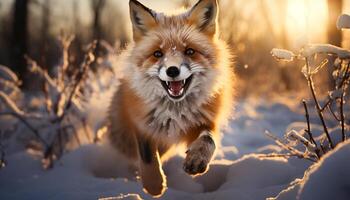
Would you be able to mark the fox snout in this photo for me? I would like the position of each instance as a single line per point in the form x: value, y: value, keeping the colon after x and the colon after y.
x: 175, y: 79
x: 173, y: 71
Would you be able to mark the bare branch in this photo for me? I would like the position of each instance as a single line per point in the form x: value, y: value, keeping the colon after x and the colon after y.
x: 89, y: 58
x: 342, y: 115
x: 33, y: 67
x: 30, y: 127
x: 345, y: 77
x: 287, y: 155
x: 8, y: 75
x: 280, y: 143
x: 308, y: 131
x: 329, y: 101
x: 9, y: 85
x: 3, y: 162
x: 13, y: 107
x: 333, y: 113
x: 293, y: 135
x: 320, y: 66
x: 318, y: 107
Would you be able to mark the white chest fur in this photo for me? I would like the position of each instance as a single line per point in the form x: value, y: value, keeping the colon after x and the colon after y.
x: 172, y: 119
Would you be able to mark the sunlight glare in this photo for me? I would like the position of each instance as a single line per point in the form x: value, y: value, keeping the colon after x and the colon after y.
x: 304, y: 19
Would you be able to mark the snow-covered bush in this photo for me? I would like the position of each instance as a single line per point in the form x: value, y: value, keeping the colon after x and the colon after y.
x: 335, y: 129
x: 56, y: 117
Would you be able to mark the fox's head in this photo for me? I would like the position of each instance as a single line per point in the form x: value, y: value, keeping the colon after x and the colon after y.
x: 176, y: 57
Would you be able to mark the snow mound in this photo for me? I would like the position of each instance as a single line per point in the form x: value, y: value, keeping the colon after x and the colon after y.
x: 328, y: 179
x: 257, y: 177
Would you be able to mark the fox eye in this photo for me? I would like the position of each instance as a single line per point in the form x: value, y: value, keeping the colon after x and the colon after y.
x: 158, y: 54
x: 189, y: 52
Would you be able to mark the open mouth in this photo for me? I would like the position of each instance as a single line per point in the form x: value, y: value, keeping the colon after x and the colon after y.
x: 177, y: 89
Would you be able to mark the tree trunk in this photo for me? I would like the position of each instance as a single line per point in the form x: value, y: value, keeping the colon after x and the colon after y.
x: 19, y: 37
x: 334, y: 10
x: 45, y: 29
x: 334, y: 35
x: 97, y: 9
x: 97, y: 6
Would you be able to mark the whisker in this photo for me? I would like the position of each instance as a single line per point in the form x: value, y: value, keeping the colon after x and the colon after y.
x: 153, y: 71
x: 197, y: 68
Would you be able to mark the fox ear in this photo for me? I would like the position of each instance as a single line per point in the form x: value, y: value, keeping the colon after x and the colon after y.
x: 204, y: 16
x: 142, y: 18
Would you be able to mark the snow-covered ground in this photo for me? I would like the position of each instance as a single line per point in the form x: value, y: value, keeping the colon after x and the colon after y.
x: 241, y: 169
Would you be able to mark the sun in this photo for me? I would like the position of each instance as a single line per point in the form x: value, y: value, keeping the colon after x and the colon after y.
x: 296, y: 12
x: 306, y: 21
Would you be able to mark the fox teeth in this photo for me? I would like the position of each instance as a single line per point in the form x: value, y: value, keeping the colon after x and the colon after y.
x: 180, y: 93
x: 183, y: 82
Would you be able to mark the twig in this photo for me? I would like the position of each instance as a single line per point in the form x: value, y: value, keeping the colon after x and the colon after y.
x: 25, y: 122
x: 320, y: 66
x: 2, y: 152
x: 329, y: 101
x: 342, y: 116
x: 343, y: 86
x: 48, y: 100
x: 9, y: 85
x: 295, y: 136
x: 89, y: 58
x: 287, y: 155
x: 280, y: 143
x: 345, y: 76
x: 37, y: 69
x: 65, y: 42
x: 13, y: 107
x: 333, y: 113
x: 308, y: 131
x: 318, y: 107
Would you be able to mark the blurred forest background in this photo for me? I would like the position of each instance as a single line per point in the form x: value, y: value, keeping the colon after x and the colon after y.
x: 252, y: 28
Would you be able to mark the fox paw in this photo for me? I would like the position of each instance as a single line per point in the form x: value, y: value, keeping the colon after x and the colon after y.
x: 195, y: 162
x: 155, y: 189
x: 199, y: 155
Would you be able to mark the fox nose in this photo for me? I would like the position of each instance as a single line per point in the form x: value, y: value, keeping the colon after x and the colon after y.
x: 173, y: 71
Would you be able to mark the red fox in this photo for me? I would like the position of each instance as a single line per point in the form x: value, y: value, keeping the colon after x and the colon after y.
x: 177, y: 87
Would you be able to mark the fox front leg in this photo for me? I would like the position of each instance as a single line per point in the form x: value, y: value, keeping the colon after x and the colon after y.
x: 199, y: 154
x: 151, y: 172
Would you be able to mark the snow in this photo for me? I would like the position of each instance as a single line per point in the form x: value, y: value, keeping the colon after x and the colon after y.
x: 125, y: 197
x: 282, y: 54
x: 313, y: 49
x: 294, y: 135
x: 330, y: 178
x: 343, y: 22
x: 241, y: 169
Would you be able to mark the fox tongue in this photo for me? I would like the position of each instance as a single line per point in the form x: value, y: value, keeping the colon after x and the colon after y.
x: 175, y: 86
